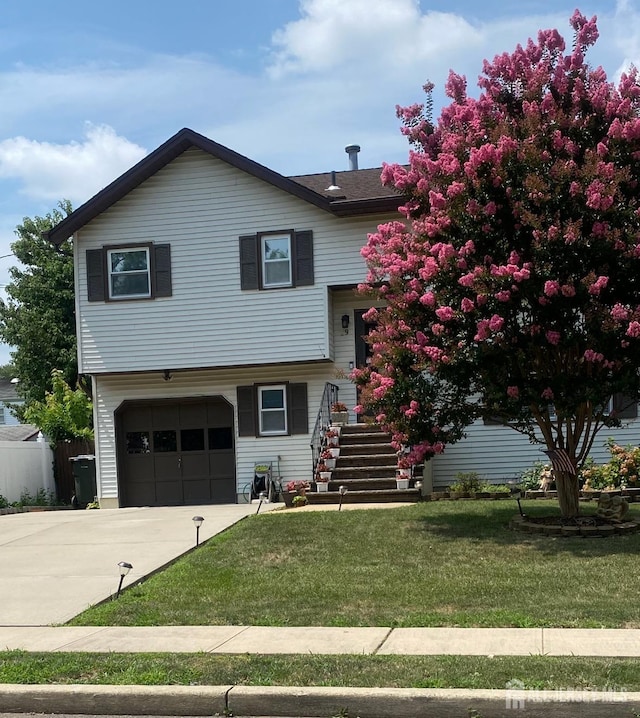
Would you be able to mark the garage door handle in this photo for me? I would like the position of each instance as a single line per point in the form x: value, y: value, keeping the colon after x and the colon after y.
x: 179, y: 462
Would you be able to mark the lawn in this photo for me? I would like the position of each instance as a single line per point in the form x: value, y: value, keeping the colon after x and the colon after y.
x: 535, y: 672
x: 451, y: 563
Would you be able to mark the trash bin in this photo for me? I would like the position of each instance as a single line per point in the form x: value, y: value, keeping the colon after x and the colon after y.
x: 84, y: 478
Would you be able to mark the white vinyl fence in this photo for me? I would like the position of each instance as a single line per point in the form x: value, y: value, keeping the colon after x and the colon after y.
x: 25, y: 466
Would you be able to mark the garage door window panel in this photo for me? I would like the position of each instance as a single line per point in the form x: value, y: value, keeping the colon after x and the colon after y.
x: 165, y: 442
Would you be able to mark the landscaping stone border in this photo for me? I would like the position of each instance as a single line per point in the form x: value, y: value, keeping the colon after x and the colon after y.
x: 530, y: 525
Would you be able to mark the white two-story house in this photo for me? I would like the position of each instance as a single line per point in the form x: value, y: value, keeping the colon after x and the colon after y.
x: 214, y: 301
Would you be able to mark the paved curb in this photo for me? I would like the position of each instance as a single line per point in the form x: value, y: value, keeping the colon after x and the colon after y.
x: 320, y: 702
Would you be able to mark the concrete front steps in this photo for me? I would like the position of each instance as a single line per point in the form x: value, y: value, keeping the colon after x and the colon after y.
x: 367, y: 468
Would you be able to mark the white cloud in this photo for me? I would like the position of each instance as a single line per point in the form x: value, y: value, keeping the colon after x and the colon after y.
x: 73, y: 171
x: 387, y: 34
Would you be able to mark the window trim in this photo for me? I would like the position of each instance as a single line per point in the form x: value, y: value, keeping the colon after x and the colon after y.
x: 260, y: 388
x: 110, y: 274
x: 279, y: 234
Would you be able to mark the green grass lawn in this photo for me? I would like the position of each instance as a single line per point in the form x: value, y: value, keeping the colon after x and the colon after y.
x: 536, y: 672
x: 430, y: 564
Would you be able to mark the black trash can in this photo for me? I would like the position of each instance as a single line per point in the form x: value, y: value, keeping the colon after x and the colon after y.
x: 84, y: 478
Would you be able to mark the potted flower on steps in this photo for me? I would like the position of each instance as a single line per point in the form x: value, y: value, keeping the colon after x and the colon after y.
x: 323, y: 477
x: 327, y: 456
x: 339, y: 413
x: 403, y: 473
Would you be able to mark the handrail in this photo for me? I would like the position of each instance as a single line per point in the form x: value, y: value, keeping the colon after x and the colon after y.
x: 323, y: 421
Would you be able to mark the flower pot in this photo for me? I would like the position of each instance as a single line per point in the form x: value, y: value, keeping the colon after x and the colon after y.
x: 322, y: 486
x: 402, y: 483
x: 325, y: 476
x: 335, y: 451
x: 338, y: 418
x: 403, y: 473
x: 333, y: 441
x: 330, y: 463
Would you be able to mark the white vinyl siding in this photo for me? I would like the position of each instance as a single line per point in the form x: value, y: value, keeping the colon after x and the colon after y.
x: 201, y: 206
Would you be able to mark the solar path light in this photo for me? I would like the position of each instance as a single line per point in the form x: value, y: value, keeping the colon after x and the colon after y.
x: 262, y: 496
x: 342, y: 490
x: 197, y: 522
x: 124, y: 567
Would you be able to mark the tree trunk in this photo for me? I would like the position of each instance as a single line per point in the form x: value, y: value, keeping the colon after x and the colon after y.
x: 568, y: 494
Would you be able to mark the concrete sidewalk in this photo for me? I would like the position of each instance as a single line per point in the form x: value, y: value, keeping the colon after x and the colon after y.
x: 320, y: 640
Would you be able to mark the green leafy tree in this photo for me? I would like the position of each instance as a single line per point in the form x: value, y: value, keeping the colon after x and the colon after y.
x: 513, y: 288
x: 38, y: 317
x: 65, y: 414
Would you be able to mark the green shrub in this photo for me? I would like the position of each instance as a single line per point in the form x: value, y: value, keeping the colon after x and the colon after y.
x: 468, y: 482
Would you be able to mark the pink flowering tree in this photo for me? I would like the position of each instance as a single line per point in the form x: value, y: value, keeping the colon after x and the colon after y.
x: 512, y: 290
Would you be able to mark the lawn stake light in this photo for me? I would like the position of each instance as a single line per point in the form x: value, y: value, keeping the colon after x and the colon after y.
x: 262, y: 496
x: 124, y: 567
x: 197, y: 522
x: 343, y: 490
x: 517, y: 495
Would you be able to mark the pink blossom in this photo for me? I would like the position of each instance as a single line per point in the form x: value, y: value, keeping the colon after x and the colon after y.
x: 633, y: 330
x: 547, y: 394
x: 591, y: 356
x: 600, y: 283
x: 551, y: 288
x: 552, y: 337
x: 496, y: 323
x: 445, y: 314
x: 568, y: 290
x: 428, y: 299
x: 503, y: 296
x: 437, y: 329
x: 619, y: 313
x: 513, y: 392
x: 467, y: 305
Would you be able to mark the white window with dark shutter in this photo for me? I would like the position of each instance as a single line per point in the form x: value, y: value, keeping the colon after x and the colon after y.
x: 276, y: 260
x: 117, y: 273
x: 272, y: 409
x: 272, y: 414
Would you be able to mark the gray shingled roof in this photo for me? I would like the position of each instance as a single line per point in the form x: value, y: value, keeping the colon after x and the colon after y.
x: 8, y: 391
x: 354, y: 184
x: 21, y: 432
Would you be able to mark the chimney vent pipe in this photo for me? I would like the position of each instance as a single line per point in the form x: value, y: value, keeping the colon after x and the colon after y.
x: 352, y: 151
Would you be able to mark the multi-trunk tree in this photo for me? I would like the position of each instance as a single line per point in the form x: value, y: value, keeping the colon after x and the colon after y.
x: 512, y: 291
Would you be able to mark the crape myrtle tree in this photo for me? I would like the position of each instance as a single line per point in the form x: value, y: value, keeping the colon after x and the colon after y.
x: 512, y: 291
x: 38, y: 316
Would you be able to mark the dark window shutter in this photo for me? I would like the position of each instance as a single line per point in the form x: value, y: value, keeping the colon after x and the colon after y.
x: 249, y: 274
x: 492, y: 421
x: 162, y: 270
x: 304, y: 258
x: 625, y: 407
x: 297, y: 407
x: 246, y: 410
x: 95, y: 275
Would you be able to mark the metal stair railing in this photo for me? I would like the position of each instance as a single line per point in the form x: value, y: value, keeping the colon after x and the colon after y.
x: 323, y: 421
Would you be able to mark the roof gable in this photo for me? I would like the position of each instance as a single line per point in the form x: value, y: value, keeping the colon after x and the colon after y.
x: 304, y: 187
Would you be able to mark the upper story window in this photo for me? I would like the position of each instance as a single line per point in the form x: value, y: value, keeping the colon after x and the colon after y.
x: 275, y: 250
x: 275, y: 260
x: 134, y: 271
x: 129, y: 273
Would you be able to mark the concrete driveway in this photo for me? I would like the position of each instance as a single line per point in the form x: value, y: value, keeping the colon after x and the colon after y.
x: 55, y: 564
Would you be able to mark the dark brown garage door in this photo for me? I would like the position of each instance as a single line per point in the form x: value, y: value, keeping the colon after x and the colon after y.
x: 178, y: 452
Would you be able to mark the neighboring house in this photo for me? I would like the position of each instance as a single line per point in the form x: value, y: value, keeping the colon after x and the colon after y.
x: 210, y: 296
x: 214, y: 301
x: 8, y: 395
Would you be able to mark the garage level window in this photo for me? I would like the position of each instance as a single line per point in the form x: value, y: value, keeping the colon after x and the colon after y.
x: 272, y: 403
x: 129, y: 273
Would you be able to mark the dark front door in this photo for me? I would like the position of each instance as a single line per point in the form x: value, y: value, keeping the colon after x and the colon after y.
x: 177, y: 452
x: 363, y: 349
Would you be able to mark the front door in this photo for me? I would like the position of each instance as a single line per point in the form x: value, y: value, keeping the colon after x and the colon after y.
x: 363, y: 349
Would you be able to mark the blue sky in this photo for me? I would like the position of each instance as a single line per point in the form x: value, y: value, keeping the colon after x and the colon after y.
x: 87, y: 89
